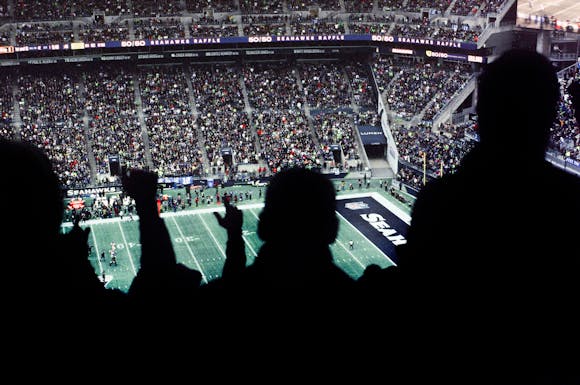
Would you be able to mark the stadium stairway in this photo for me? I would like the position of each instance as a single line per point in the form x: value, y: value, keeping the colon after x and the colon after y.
x: 142, y: 123
x: 195, y: 115
x: 380, y: 168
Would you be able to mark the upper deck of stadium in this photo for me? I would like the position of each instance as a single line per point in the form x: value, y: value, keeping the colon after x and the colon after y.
x: 324, y: 103
x: 29, y: 22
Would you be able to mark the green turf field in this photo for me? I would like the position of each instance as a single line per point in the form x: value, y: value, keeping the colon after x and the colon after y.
x: 199, y: 242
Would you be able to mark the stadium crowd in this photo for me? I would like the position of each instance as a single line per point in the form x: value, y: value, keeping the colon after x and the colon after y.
x: 89, y: 21
x: 565, y: 134
x: 291, y: 116
x: 222, y: 115
x: 26, y: 10
x: 173, y: 140
x: 113, y: 121
x: 190, y: 113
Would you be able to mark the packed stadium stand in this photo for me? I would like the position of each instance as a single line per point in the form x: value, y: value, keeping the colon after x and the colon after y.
x: 237, y: 89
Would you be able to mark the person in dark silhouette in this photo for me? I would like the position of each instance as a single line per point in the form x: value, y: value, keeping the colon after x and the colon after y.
x: 34, y: 231
x: 51, y: 294
x: 492, y: 260
x: 232, y: 222
x: 294, y: 271
x: 161, y: 282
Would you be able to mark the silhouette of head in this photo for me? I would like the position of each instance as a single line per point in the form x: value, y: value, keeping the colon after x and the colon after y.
x: 32, y: 214
x: 517, y: 103
x: 39, y: 203
x: 300, y: 206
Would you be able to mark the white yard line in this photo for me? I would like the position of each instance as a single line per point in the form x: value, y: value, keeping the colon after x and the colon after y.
x: 368, y: 240
x: 190, y: 251
x: 127, y: 247
x: 97, y: 250
x: 213, y: 237
x: 351, y: 254
x: 250, y: 246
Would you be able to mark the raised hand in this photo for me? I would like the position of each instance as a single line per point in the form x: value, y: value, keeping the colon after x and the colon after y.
x: 235, y: 251
x: 233, y: 220
x: 76, y: 240
x: 140, y: 184
x: 74, y: 249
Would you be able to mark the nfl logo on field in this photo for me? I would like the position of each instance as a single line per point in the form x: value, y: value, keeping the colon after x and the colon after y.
x: 356, y: 206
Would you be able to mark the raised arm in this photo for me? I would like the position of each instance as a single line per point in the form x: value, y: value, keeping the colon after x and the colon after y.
x: 235, y: 249
x: 160, y: 277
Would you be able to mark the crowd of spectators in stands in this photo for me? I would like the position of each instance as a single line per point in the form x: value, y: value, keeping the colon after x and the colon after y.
x: 279, y: 99
x: 224, y: 123
x: 456, y: 82
x: 51, y: 114
x: 38, y: 33
x: 199, y: 6
x: 361, y: 85
x: 297, y: 112
x: 305, y: 5
x: 315, y: 25
x: 443, y: 152
x: 336, y: 128
x: 59, y: 23
x: 4, y: 13
x: 6, y: 106
x: 364, y: 23
x: 257, y: 25
x: 415, y: 83
x: 172, y: 136
x: 421, y: 89
x: 324, y: 85
x: 114, y: 126
x: 98, y: 32
x: 158, y: 29
x: 565, y: 135
x: 27, y: 10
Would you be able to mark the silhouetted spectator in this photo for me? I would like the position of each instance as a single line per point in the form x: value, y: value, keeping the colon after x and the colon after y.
x: 42, y: 308
x: 294, y: 272
x: 492, y: 259
x: 160, y: 281
x: 235, y: 262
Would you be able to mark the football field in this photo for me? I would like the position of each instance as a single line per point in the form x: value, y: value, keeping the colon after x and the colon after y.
x: 374, y: 221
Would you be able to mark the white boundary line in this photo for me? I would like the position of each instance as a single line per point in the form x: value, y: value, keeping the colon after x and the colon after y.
x: 250, y: 246
x: 258, y: 218
x: 127, y: 247
x: 254, y: 214
x: 378, y: 197
x: 364, y: 236
x: 213, y: 237
x: 351, y: 254
x: 105, y: 282
x: 97, y: 250
x: 190, y: 251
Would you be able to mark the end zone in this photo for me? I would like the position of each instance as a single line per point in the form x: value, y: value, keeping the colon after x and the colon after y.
x: 378, y: 220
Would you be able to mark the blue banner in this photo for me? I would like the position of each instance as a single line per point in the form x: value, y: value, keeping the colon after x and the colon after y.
x: 239, y: 40
x: 371, y: 135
